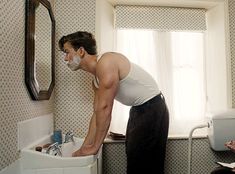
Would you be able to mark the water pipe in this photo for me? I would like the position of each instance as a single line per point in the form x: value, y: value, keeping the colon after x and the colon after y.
x: 190, y: 144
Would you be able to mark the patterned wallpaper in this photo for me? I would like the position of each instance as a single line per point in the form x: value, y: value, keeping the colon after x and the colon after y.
x: 15, y: 102
x: 73, y: 95
x: 73, y: 102
x: 232, y: 45
x: 73, y: 90
x: 176, y: 162
x: 161, y: 18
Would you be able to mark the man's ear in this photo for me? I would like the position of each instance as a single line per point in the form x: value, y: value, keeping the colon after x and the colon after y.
x: 81, y: 51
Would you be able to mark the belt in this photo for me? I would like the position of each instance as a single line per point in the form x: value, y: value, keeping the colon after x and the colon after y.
x: 156, y: 98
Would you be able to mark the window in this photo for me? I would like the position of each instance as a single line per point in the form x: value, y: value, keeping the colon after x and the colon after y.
x: 176, y: 61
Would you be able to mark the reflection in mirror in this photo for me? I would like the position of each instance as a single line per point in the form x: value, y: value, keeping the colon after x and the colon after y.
x: 42, y: 48
x: 39, y: 49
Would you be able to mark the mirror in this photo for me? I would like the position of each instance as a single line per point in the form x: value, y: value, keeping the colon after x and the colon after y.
x: 39, y: 49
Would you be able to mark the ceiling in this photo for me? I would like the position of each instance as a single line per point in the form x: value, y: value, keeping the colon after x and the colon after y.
x: 169, y: 3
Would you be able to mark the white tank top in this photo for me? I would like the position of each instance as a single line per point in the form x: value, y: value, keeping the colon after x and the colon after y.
x: 136, y: 88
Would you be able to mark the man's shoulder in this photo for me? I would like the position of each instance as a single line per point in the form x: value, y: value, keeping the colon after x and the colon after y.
x: 107, y: 58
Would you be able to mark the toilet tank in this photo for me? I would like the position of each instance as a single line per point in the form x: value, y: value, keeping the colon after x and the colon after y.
x: 221, y: 128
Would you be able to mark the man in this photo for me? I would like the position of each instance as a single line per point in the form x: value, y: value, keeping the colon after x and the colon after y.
x: 226, y: 170
x: 115, y: 77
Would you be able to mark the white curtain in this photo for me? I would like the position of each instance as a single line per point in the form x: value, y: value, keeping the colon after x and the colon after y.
x: 176, y: 61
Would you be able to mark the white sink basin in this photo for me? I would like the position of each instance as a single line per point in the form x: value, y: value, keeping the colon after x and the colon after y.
x: 32, y: 159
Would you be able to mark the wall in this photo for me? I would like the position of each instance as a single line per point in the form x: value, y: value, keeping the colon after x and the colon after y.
x: 73, y: 97
x: 73, y: 90
x: 176, y: 162
x: 104, y: 26
x: 15, y: 102
x: 216, y: 67
x: 73, y: 94
x: 203, y: 158
x: 231, y: 5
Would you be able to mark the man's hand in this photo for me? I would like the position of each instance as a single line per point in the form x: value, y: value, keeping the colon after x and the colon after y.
x: 85, y: 151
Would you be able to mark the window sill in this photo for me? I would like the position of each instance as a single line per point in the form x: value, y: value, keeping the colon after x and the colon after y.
x: 170, y: 137
x: 178, y: 137
x: 109, y: 140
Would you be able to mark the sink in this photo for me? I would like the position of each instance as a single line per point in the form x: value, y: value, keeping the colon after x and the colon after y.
x: 32, y: 159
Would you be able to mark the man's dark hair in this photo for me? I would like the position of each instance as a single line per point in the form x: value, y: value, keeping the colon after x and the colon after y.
x: 80, y: 39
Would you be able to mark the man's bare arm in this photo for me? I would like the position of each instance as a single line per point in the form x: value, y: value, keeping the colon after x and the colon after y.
x: 108, y: 85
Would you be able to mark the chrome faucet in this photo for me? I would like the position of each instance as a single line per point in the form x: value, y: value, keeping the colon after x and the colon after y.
x: 55, y: 148
x: 69, y: 137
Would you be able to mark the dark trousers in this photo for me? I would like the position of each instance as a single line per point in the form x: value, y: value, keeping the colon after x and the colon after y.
x: 146, y: 137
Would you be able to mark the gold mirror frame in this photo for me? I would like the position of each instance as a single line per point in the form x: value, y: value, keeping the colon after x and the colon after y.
x: 30, y: 76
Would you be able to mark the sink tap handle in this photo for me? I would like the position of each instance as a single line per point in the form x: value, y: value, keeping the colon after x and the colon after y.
x: 69, y: 137
x: 69, y: 133
x: 54, y: 147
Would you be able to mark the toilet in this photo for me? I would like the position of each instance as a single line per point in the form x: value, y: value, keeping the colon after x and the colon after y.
x: 221, y: 128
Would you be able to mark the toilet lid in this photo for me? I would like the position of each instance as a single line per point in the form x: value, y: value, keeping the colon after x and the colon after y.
x: 222, y: 114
